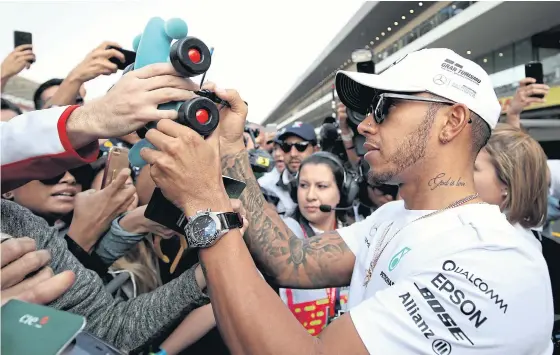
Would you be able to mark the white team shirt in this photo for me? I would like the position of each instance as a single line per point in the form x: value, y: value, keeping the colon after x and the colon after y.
x: 462, y: 281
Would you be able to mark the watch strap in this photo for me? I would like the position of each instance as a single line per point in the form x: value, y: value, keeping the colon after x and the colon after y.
x: 230, y: 220
x: 182, y: 221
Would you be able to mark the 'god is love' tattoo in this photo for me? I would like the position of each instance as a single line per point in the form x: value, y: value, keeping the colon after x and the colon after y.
x: 442, y: 180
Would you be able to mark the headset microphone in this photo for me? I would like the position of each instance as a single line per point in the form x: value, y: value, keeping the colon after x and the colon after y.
x: 327, y: 208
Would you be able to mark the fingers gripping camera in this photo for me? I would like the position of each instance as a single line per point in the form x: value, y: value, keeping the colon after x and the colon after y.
x: 190, y: 57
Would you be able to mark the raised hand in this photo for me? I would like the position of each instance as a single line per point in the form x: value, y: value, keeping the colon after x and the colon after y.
x: 130, y: 104
x: 20, y: 58
x: 97, y: 63
x: 95, y: 210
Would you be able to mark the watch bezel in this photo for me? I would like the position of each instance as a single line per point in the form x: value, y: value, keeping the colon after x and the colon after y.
x: 211, y: 240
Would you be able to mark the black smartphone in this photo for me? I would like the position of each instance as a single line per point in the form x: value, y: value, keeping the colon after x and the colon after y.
x: 88, y: 344
x: 535, y: 70
x: 234, y: 188
x: 129, y: 58
x: 21, y: 38
x: 164, y: 212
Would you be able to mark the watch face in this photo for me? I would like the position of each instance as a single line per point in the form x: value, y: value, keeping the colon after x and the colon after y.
x: 203, y: 229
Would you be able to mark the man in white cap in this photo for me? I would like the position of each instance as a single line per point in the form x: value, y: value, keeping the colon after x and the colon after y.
x: 438, y: 272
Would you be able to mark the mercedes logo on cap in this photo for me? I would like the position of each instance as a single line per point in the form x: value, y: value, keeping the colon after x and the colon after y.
x: 440, y: 79
x: 441, y: 347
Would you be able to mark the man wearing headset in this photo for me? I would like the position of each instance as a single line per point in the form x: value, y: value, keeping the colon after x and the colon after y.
x: 437, y: 272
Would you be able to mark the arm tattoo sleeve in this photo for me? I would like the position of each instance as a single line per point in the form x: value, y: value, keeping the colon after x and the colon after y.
x: 311, y: 263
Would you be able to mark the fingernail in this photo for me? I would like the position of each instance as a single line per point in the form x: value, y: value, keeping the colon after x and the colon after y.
x: 220, y: 91
x: 44, y: 254
x: 47, y: 271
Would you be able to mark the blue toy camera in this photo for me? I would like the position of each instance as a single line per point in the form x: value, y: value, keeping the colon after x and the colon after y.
x: 190, y: 57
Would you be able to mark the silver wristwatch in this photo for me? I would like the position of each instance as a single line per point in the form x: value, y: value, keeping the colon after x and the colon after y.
x: 205, y: 228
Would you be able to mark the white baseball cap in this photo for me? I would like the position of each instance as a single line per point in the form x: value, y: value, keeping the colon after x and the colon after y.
x: 439, y: 71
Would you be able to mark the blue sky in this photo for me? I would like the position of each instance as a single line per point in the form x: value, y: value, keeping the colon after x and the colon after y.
x: 261, y: 47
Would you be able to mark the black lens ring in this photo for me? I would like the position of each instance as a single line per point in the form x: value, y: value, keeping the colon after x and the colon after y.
x: 178, y: 55
x: 189, y: 108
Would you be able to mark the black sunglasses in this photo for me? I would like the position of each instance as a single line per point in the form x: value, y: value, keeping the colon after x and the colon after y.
x: 287, y: 147
x: 83, y: 176
x: 382, y: 103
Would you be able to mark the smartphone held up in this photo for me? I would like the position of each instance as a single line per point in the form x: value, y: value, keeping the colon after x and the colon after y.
x: 23, y: 38
x: 129, y: 58
x: 535, y: 70
x: 117, y: 160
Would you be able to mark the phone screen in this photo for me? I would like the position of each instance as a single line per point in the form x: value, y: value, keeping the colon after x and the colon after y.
x: 129, y: 58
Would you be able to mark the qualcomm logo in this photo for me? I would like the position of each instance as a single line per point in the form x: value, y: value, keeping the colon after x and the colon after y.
x: 397, y: 258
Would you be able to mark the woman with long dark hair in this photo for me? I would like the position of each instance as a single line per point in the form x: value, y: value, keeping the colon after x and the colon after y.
x: 321, y: 181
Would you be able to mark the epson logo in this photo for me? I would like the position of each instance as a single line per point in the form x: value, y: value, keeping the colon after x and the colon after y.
x: 458, y: 297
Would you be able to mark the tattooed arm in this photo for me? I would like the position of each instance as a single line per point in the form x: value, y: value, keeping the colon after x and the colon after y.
x: 187, y: 169
x: 318, y: 262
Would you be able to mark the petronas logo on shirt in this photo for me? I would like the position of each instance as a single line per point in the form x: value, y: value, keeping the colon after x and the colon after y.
x: 397, y: 258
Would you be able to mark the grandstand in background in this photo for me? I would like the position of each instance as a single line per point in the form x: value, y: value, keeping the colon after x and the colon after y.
x: 20, y: 91
x: 501, y: 36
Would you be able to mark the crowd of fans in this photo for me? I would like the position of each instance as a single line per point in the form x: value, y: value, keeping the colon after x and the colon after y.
x: 58, y: 220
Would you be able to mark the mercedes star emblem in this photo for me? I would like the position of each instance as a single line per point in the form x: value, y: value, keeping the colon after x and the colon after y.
x: 440, y: 79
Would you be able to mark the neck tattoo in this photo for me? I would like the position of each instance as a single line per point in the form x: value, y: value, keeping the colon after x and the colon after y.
x: 442, y: 179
